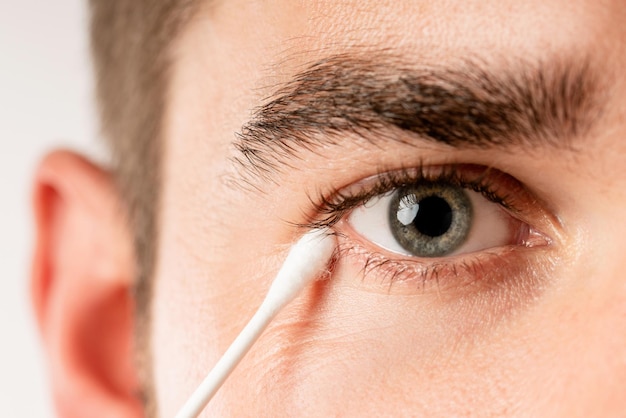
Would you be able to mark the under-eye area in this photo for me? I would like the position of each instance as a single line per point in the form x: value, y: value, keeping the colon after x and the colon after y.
x: 443, y: 223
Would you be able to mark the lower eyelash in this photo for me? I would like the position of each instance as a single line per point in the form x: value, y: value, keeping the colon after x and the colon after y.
x: 464, y: 271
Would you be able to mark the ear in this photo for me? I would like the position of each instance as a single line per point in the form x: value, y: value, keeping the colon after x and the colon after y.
x: 81, y: 280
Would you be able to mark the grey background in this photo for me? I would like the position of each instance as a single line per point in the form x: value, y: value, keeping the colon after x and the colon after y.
x: 45, y: 102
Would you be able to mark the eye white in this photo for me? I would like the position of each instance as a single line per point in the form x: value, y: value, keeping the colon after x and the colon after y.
x: 490, y: 225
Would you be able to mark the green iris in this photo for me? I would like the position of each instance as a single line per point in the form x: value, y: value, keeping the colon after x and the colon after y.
x: 430, y: 220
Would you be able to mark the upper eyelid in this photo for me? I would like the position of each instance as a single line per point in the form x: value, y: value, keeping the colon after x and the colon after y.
x: 333, y: 205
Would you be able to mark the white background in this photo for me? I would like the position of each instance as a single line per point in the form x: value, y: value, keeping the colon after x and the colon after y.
x: 45, y: 102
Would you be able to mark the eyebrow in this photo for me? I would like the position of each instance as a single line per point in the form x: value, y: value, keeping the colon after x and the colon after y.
x: 468, y: 105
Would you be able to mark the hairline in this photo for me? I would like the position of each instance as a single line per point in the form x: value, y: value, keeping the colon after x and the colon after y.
x: 131, y: 45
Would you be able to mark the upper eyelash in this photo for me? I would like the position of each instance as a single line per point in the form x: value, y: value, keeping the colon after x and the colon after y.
x: 334, y: 205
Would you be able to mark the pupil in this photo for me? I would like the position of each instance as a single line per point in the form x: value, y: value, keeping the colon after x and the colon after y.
x: 434, y: 216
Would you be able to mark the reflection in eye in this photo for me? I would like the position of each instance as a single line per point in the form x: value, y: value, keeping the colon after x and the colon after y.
x: 433, y: 219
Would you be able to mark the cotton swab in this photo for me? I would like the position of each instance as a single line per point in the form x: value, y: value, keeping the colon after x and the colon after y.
x: 305, y: 261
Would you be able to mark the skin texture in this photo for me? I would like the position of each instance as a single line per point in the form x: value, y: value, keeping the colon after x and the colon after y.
x: 533, y: 332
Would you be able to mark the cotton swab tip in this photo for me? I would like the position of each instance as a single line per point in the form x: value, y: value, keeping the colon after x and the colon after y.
x: 306, y: 261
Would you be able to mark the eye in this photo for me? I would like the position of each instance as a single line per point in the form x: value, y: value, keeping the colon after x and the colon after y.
x: 434, y: 212
x: 434, y: 219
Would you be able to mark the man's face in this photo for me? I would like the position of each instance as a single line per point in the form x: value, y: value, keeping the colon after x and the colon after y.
x: 524, y: 314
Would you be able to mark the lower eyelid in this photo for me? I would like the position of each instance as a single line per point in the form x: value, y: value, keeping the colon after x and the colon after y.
x: 466, y: 298
x: 465, y: 273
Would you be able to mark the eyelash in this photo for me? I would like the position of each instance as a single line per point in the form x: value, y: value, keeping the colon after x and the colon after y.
x: 334, y: 205
x: 500, y: 188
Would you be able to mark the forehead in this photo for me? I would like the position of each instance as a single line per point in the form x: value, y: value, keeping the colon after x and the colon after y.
x: 429, y: 28
x: 258, y: 45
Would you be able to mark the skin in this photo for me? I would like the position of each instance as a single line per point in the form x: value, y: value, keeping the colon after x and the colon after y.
x: 541, y: 333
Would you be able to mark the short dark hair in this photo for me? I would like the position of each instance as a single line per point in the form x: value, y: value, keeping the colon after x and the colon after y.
x: 131, y: 42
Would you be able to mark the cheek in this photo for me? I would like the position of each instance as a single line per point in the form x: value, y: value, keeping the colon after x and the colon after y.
x: 338, y: 348
x: 365, y: 354
x: 184, y: 320
x: 211, y: 276
x: 345, y: 346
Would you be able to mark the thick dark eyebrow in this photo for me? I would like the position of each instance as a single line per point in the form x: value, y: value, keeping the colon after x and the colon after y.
x: 469, y: 105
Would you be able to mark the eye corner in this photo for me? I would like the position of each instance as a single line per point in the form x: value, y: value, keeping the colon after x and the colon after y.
x: 535, y: 239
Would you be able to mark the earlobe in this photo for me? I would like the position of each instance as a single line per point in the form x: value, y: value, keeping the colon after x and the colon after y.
x: 81, y: 280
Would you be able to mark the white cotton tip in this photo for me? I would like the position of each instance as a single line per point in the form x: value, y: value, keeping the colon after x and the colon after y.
x: 304, y: 263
